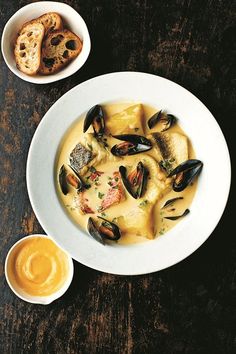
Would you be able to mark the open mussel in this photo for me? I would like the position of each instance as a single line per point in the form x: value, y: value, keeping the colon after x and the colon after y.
x: 185, y: 173
x: 167, y: 120
x: 136, y: 182
x: 132, y: 144
x: 106, y: 230
x: 95, y: 116
x: 66, y: 178
x: 79, y: 183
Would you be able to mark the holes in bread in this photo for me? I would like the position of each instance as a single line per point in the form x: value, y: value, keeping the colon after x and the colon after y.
x: 22, y: 54
x: 22, y: 46
x: 71, y: 45
x: 57, y: 40
x: 49, y: 62
x: 29, y: 34
x: 65, y: 54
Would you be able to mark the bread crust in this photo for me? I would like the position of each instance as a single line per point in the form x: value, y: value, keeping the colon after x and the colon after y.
x: 51, y: 21
x: 27, y: 49
x: 58, y: 50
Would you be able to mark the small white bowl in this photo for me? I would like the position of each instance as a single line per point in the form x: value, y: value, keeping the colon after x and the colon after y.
x: 71, y: 19
x: 43, y: 300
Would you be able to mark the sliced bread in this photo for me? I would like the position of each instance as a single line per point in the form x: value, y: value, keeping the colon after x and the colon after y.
x: 28, y: 47
x: 59, y: 49
x: 51, y: 21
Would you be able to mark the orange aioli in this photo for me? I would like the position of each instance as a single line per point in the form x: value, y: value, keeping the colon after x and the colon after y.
x: 38, y: 266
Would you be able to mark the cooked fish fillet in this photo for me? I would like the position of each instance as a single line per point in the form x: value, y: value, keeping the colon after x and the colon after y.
x: 170, y: 146
x: 89, y: 152
x: 128, y: 121
x: 80, y: 157
x: 139, y: 220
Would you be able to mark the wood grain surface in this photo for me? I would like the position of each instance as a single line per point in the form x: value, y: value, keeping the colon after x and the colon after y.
x: 189, y: 308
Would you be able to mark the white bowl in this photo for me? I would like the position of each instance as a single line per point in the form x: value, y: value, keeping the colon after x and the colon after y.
x: 209, y: 201
x: 43, y: 300
x: 70, y: 17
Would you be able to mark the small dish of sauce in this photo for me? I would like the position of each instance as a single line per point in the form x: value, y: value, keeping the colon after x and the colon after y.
x: 37, y: 270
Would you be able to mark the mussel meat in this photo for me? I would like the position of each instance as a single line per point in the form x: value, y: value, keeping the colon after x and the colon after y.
x: 63, y: 181
x: 166, y: 119
x: 95, y: 116
x: 81, y: 185
x: 132, y: 144
x: 185, y: 174
x: 107, y: 230
x: 136, y: 182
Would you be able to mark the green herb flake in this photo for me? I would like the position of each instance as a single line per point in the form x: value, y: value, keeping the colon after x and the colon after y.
x: 90, y: 147
x: 103, y: 214
x: 92, y: 169
x: 143, y: 203
x: 162, y: 231
x: 100, y: 195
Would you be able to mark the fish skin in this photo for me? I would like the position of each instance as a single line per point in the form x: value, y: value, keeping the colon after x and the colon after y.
x: 170, y: 146
x: 80, y: 157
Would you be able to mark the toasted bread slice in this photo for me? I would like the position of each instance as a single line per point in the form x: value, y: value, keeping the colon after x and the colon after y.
x: 28, y: 47
x: 51, y: 22
x: 58, y: 50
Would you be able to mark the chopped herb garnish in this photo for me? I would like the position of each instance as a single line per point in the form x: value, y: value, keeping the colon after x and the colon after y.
x: 143, y: 203
x: 110, y: 183
x: 115, y: 187
x: 100, y: 195
x: 167, y: 165
x: 97, y: 183
x: 109, y: 178
x: 90, y: 147
x: 103, y: 214
x: 162, y: 231
x: 92, y: 169
x: 116, y: 179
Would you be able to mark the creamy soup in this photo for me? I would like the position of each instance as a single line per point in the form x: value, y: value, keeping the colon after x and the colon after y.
x: 138, y: 219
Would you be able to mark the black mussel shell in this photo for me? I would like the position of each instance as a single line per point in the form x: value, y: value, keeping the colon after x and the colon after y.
x: 122, y: 170
x: 167, y: 120
x: 93, y: 231
x: 154, y: 119
x: 171, y: 201
x: 62, y: 180
x: 185, y: 173
x: 136, y: 184
x: 95, y: 116
x: 109, y: 230
x: 132, y: 144
x: 186, y: 212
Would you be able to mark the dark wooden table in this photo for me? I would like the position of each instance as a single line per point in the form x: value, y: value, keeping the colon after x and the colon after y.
x: 188, y: 308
